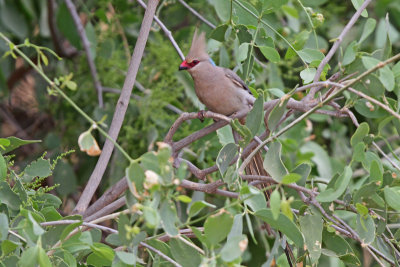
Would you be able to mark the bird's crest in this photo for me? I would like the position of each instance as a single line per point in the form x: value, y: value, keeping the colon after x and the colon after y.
x: 198, y: 49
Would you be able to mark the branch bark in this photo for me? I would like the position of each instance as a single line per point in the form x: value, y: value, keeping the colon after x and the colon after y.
x: 120, y: 109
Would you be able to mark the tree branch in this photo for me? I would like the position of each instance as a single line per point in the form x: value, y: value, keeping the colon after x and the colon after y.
x: 197, y: 14
x: 120, y: 110
x: 86, y: 45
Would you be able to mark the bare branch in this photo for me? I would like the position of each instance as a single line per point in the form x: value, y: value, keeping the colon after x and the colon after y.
x: 86, y: 45
x: 162, y: 255
x: 335, y: 46
x: 120, y: 110
x: 197, y: 14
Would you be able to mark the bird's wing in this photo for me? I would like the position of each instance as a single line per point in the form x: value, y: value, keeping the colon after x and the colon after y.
x: 236, y: 79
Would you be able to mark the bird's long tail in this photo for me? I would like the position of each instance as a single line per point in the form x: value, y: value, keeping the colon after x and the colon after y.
x: 256, y: 167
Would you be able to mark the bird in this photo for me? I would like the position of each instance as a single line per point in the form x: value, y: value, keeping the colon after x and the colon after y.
x: 222, y: 91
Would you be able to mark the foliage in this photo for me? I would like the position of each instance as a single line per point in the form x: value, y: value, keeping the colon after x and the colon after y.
x: 333, y: 193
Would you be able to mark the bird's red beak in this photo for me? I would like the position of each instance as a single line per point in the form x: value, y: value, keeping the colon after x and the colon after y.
x: 184, y: 66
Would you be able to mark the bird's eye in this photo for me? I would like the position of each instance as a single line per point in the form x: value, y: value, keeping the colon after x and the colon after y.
x: 195, y: 62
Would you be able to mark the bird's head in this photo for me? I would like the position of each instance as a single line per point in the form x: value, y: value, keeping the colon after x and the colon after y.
x: 197, y: 52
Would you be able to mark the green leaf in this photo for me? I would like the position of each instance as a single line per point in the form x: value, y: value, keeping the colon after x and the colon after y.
x: 217, y: 227
x: 270, y: 53
x: 350, y: 53
x: 360, y: 133
x: 234, y: 248
x: 197, y: 206
x: 273, y: 163
x: 386, y: 77
x: 39, y: 168
x: 275, y: 204
x: 283, y: 224
x: 375, y: 173
x: 303, y: 170
x: 69, y: 229
x: 361, y: 209
x: 392, y: 197
x: 29, y: 257
x: 66, y: 25
x: 307, y: 75
x: 103, y: 251
x: 136, y: 177
x: 15, y: 143
x: 255, y: 116
x: 242, y: 51
x: 365, y: 228
x: 219, y: 33
x: 126, y: 257
x: 64, y: 175
x: 369, y: 27
x: 9, y: 197
x: 223, y: 9
x: 43, y: 259
x: 169, y: 218
x: 225, y: 157
x: 184, y: 199
x: 3, y: 226
x: 253, y: 197
x: 291, y: 11
x: 310, y: 55
x: 276, y: 114
x: 357, y: 4
x: 13, y: 19
x: 331, y: 194
x: 291, y: 178
x: 339, y: 245
x: 185, y: 255
x: 8, y: 246
x: 3, y: 168
x: 225, y: 135
x: 151, y: 216
x: 359, y: 152
x: 311, y: 227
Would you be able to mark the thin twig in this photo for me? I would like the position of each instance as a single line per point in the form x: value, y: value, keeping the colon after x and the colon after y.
x: 120, y: 110
x: 335, y: 46
x: 166, y: 31
x: 162, y: 255
x: 197, y: 14
x: 86, y: 45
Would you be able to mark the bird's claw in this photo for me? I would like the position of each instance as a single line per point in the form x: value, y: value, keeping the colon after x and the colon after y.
x: 200, y: 115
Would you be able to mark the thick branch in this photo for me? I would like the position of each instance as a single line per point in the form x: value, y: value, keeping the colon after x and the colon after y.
x: 120, y: 109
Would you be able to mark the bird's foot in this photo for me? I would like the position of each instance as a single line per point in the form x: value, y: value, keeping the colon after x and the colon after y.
x: 200, y: 115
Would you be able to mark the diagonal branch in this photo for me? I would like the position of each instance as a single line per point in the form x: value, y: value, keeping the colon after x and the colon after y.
x: 197, y: 14
x: 335, y: 47
x: 86, y: 45
x: 120, y: 110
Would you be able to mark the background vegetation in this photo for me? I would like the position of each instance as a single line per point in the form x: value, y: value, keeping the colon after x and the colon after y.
x: 332, y: 146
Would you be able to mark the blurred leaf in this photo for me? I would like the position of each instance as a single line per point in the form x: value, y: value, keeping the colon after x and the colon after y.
x: 225, y: 157
x: 91, y: 36
x: 375, y: 173
x: 234, y: 248
x: 3, y: 168
x: 222, y: 8
x: 242, y: 51
x: 270, y: 53
x: 15, y: 143
x: 283, y: 224
x: 255, y: 116
x: 39, y: 168
x: 359, y: 152
x: 29, y: 257
x: 291, y: 178
x: 350, y: 53
x: 64, y: 175
x: 365, y: 228
x: 3, y: 226
x: 197, y: 206
x: 219, y: 33
x: 392, y: 197
x: 273, y: 163
x: 253, y: 197
x: 8, y: 197
x: 369, y: 27
x: 275, y: 204
x: 310, y: 55
x: 126, y: 257
x: 43, y: 259
x: 13, y: 19
x: 311, y: 227
x: 360, y: 133
x: 321, y: 158
x: 357, y: 4
x: 151, y: 216
x: 291, y: 11
x: 136, y: 177
x: 66, y: 25
x: 303, y: 170
x: 225, y: 135
x: 277, y: 113
x: 103, y: 251
x: 330, y: 194
x: 8, y: 246
x: 87, y: 143
x: 169, y: 218
x: 217, y: 227
x: 184, y: 254
x: 308, y: 75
